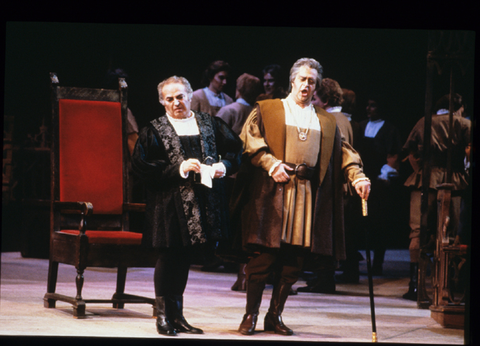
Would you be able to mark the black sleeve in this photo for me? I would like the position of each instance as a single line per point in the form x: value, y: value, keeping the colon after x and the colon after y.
x: 150, y: 161
x: 229, y: 145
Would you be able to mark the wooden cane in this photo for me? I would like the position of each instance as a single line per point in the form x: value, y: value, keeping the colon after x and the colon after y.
x: 370, y: 281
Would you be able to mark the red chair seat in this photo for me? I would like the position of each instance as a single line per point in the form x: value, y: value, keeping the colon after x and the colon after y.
x: 110, y: 237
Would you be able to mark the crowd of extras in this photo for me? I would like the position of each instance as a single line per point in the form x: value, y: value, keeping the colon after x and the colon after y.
x: 391, y: 167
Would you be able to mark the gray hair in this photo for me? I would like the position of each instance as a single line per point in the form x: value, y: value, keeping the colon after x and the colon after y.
x: 171, y: 80
x: 312, y: 63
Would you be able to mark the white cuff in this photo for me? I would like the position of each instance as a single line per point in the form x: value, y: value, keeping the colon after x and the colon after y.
x: 182, y: 174
x: 359, y: 179
x: 219, y: 166
x: 275, y: 165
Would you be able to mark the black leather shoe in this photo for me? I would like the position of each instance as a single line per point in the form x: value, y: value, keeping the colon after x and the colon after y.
x: 163, y: 325
x: 176, y: 319
x: 182, y: 326
x: 164, y: 328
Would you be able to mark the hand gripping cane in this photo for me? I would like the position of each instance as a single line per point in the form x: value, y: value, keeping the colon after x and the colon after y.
x: 370, y: 281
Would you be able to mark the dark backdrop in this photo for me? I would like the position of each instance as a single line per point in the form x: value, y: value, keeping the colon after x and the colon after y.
x: 392, y: 60
x: 364, y: 60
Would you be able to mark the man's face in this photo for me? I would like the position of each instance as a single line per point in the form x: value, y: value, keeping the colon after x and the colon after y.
x: 303, y: 86
x: 219, y: 81
x: 268, y: 84
x: 372, y: 110
x: 176, y: 100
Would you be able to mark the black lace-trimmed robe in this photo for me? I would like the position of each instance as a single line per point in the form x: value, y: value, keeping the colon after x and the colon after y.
x: 180, y: 211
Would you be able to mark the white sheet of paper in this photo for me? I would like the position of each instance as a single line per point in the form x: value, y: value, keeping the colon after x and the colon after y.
x: 207, y: 173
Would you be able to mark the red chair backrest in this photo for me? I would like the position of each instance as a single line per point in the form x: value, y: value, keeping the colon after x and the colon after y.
x: 91, y: 154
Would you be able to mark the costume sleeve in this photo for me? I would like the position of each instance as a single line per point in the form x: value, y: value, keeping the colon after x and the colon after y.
x: 150, y: 161
x: 352, y: 164
x: 195, y: 102
x: 254, y: 145
x: 229, y: 146
x: 413, y: 144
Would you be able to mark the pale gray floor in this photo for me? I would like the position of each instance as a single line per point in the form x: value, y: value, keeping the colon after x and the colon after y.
x: 212, y: 306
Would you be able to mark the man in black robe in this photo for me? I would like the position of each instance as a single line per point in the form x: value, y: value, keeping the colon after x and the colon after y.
x: 182, y: 157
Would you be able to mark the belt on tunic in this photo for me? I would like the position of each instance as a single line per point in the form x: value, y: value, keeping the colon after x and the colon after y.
x: 302, y: 171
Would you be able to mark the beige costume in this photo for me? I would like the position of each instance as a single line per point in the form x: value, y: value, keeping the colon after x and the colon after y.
x: 200, y: 103
x: 344, y: 125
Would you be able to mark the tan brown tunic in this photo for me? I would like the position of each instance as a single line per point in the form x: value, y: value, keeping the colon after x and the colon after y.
x: 298, y: 199
x: 259, y: 207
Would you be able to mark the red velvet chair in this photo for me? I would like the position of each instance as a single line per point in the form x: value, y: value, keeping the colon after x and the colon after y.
x: 90, y: 210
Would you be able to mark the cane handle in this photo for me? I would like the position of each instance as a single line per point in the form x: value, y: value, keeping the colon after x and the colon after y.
x: 364, y: 207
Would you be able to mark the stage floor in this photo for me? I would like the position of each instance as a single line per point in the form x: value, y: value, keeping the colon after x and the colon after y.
x: 210, y: 304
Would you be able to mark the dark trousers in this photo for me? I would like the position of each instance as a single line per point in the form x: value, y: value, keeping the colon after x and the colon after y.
x: 285, y: 263
x: 171, y: 271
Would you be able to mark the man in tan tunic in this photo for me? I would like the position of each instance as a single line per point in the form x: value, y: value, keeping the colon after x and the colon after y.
x: 296, y: 163
x: 415, y: 149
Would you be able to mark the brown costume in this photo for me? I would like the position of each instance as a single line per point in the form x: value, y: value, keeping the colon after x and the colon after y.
x: 262, y: 213
x: 438, y: 169
x: 344, y: 126
x: 200, y: 102
x: 235, y: 115
x: 414, y: 146
x: 264, y: 208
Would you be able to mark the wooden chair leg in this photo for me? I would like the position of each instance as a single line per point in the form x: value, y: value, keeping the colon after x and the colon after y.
x: 79, y: 310
x: 120, y: 290
x: 51, y: 284
x: 79, y: 282
x: 79, y: 306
